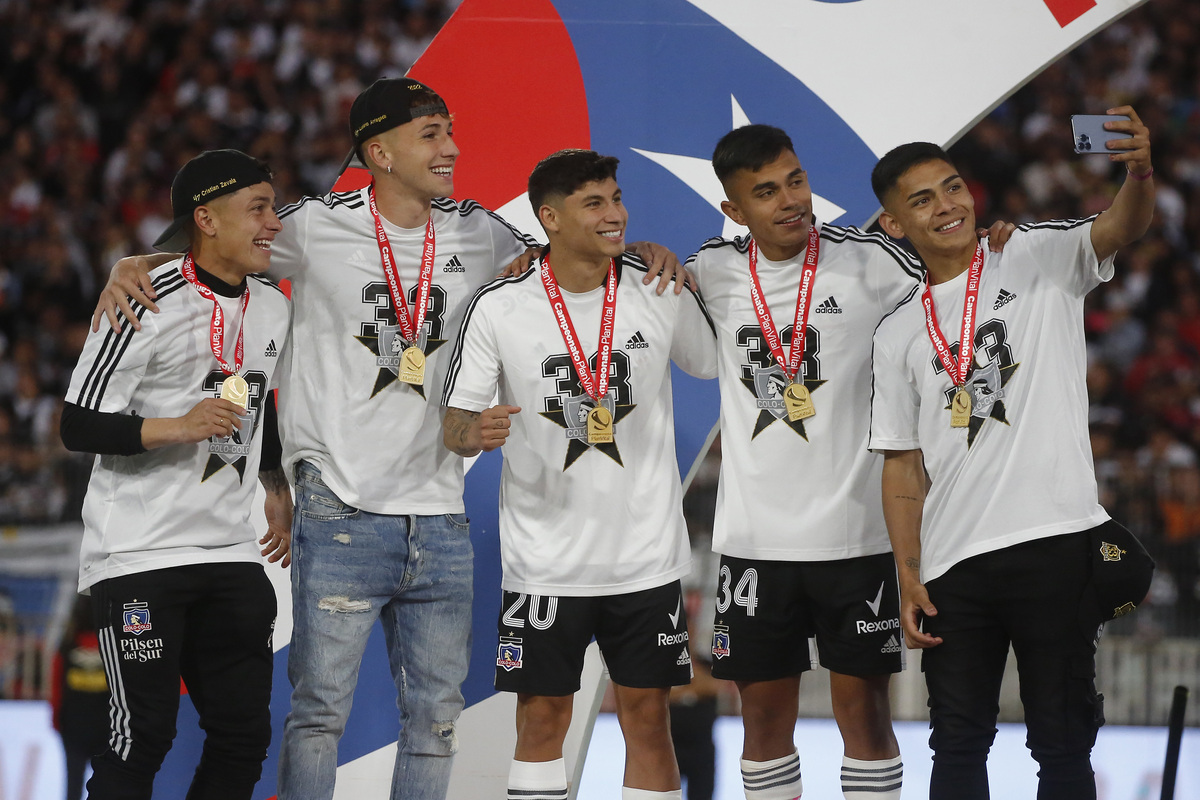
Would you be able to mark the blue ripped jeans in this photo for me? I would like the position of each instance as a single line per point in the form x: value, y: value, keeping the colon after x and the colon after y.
x: 349, y: 568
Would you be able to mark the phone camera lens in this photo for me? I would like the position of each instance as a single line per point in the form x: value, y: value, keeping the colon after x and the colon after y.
x: 1083, y: 142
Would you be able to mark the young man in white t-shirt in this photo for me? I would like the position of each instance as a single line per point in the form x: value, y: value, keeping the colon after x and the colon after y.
x: 177, y: 412
x: 592, y: 535
x: 799, y: 526
x: 1000, y: 551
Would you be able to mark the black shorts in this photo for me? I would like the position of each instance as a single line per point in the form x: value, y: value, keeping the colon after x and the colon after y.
x: 643, y: 636
x: 767, y: 610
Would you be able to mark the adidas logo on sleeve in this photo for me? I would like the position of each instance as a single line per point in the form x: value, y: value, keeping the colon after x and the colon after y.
x: 454, y: 265
x: 637, y: 342
x: 828, y: 306
x: 272, y: 351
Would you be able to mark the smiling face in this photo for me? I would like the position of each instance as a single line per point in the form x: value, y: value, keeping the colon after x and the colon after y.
x: 589, y: 223
x: 421, y: 154
x: 931, y: 207
x: 235, y: 232
x: 775, y: 203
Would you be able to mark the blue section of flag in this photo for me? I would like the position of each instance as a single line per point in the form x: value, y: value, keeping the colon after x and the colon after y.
x: 659, y: 77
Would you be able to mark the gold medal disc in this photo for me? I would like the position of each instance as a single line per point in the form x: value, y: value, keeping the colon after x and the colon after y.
x: 798, y: 402
x: 599, y: 426
x: 960, y: 409
x: 412, y: 366
x: 235, y: 390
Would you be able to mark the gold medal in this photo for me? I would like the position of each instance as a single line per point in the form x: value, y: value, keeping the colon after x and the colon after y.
x: 599, y: 426
x: 235, y: 390
x: 798, y: 402
x: 960, y: 409
x: 412, y: 366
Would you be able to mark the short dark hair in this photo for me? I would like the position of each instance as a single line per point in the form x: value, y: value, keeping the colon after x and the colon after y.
x: 900, y: 160
x: 749, y: 147
x: 561, y: 174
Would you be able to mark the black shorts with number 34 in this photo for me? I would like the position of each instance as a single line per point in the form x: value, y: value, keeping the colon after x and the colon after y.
x: 767, y: 610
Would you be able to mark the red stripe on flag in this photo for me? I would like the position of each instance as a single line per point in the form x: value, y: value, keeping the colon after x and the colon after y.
x: 1067, y: 11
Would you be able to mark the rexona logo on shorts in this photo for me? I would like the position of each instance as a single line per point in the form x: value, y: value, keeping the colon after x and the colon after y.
x: 863, y: 626
x: 665, y: 639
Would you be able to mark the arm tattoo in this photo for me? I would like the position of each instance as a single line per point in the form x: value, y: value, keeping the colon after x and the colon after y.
x: 457, y: 425
x: 907, y: 497
x: 273, y: 480
x: 912, y: 563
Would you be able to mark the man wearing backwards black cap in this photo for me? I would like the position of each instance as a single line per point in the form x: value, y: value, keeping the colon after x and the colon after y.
x: 380, y: 532
x: 173, y: 408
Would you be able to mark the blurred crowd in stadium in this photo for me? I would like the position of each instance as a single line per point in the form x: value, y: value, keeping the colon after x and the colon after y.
x: 101, y: 101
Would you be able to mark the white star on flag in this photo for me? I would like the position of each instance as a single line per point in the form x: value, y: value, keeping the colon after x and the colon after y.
x: 698, y: 174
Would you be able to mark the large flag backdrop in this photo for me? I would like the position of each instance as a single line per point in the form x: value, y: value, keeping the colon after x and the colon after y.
x: 656, y: 83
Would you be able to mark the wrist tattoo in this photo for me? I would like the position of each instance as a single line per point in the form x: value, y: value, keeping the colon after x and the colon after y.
x: 458, y: 424
x: 273, y: 480
x: 912, y: 563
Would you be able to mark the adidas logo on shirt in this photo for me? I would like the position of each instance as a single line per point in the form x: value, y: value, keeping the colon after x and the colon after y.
x: 828, y: 306
x: 892, y: 646
x: 271, y: 352
x: 1003, y: 299
x: 637, y: 342
x: 454, y: 265
x: 684, y: 658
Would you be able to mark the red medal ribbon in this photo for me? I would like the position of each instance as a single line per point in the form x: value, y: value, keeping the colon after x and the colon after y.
x: 791, y: 364
x: 216, y: 328
x: 596, y: 386
x: 409, y: 328
x: 966, y: 344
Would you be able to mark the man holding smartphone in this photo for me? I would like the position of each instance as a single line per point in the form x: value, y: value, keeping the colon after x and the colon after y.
x: 979, y: 394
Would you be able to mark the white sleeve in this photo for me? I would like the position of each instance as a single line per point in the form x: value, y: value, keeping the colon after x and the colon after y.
x: 895, y: 403
x: 507, y: 241
x: 694, y: 343
x: 112, y: 365
x: 475, y: 366
x: 1063, y: 252
x: 287, y: 251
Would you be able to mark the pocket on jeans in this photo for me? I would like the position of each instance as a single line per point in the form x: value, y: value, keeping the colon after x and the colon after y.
x: 318, y: 502
x: 459, y: 521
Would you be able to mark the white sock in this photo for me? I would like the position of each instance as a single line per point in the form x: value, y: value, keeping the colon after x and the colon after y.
x: 646, y: 794
x: 777, y: 779
x: 872, y: 780
x: 537, y: 780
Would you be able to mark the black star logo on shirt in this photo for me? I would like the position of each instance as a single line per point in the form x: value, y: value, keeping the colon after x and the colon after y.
x: 989, y: 382
x: 215, y: 463
x: 386, y: 377
x: 577, y: 447
x: 765, y: 417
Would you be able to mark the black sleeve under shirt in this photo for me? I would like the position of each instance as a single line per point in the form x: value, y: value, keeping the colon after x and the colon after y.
x: 104, y: 433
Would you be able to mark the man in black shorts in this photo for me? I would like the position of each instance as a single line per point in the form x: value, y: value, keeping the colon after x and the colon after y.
x: 591, y: 521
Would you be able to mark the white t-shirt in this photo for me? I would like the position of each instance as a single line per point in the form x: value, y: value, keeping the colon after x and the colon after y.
x: 186, y: 503
x: 1022, y: 470
x: 376, y: 440
x: 805, y: 490
x: 579, y: 519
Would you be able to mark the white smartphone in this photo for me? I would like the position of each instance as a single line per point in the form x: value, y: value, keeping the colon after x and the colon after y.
x: 1089, y: 133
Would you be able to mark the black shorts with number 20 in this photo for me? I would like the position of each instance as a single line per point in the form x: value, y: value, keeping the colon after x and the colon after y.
x: 767, y: 610
x: 643, y: 636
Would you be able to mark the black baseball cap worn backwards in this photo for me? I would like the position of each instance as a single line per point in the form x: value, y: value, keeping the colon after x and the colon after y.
x: 206, y: 177
x: 388, y: 103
